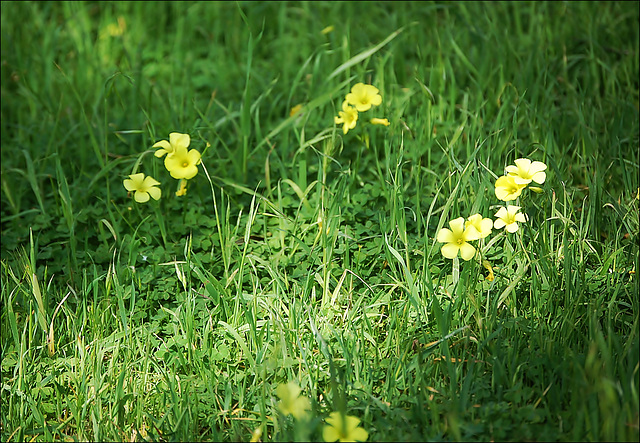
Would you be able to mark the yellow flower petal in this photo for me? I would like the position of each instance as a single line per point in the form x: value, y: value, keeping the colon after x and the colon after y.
x: 165, y: 148
x: 450, y: 250
x: 179, y: 140
x: 511, y: 227
x: 467, y: 251
x: 380, y: 121
x: 457, y: 226
x: 445, y: 236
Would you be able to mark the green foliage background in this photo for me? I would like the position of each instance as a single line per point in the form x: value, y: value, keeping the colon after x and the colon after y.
x: 175, y: 320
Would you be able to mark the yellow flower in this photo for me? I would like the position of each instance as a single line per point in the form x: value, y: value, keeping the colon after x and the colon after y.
x: 143, y: 187
x: 176, y: 140
x: 482, y: 225
x: 327, y: 30
x: 183, y: 188
x: 363, y: 97
x: 182, y: 163
x: 456, y: 239
x: 526, y: 171
x: 291, y: 402
x: 296, y: 109
x: 343, y: 428
x: 507, y: 188
x: 256, y: 435
x: 348, y: 116
x: 379, y: 121
x: 508, y: 218
x: 488, y: 267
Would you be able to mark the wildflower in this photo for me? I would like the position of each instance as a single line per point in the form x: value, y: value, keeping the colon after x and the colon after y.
x: 488, y: 267
x: 183, y: 188
x: 143, y: 187
x: 363, y: 97
x: 295, y: 110
x: 291, y: 402
x: 117, y: 30
x: 327, y: 30
x: 176, y: 140
x: 256, y: 435
x: 507, y: 188
x: 526, y: 171
x: 457, y: 239
x: 380, y: 121
x: 183, y: 163
x: 482, y: 225
x: 508, y: 218
x: 348, y: 116
x: 343, y: 428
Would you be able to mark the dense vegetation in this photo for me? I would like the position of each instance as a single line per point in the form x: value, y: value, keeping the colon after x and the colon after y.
x: 299, y: 277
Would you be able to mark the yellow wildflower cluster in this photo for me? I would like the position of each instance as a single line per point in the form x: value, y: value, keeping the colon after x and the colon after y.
x: 361, y: 98
x: 507, y: 188
x: 339, y: 427
x: 181, y: 162
x: 518, y: 177
x: 291, y: 402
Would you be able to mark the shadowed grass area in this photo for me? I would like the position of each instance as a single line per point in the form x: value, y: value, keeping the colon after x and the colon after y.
x: 306, y: 254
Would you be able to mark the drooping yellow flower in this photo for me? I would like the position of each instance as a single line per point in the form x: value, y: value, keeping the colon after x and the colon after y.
x: 526, y: 171
x: 291, y: 402
x: 488, y: 267
x: 343, y: 428
x: 327, y: 30
x: 296, y: 109
x: 348, y: 117
x: 183, y: 188
x: 182, y: 163
x: 363, y: 97
x: 456, y: 239
x: 143, y: 187
x: 507, y: 188
x: 482, y: 225
x: 380, y: 121
x: 176, y: 140
x: 508, y: 218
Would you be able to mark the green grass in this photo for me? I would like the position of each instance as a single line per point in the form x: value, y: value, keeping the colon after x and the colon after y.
x: 178, y: 318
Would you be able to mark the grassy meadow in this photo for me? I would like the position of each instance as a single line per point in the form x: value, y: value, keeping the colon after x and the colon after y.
x: 295, y: 273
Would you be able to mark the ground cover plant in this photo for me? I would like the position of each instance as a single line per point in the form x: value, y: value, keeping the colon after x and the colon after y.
x: 319, y: 221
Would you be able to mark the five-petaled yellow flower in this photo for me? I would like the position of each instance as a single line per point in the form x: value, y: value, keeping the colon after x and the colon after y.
x: 526, y: 171
x: 363, y: 97
x: 456, y: 239
x: 143, y: 187
x: 343, y: 428
x: 176, y: 140
x: 291, y: 402
x: 348, y: 117
x: 482, y: 225
x: 507, y: 188
x: 508, y: 218
x: 183, y: 163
